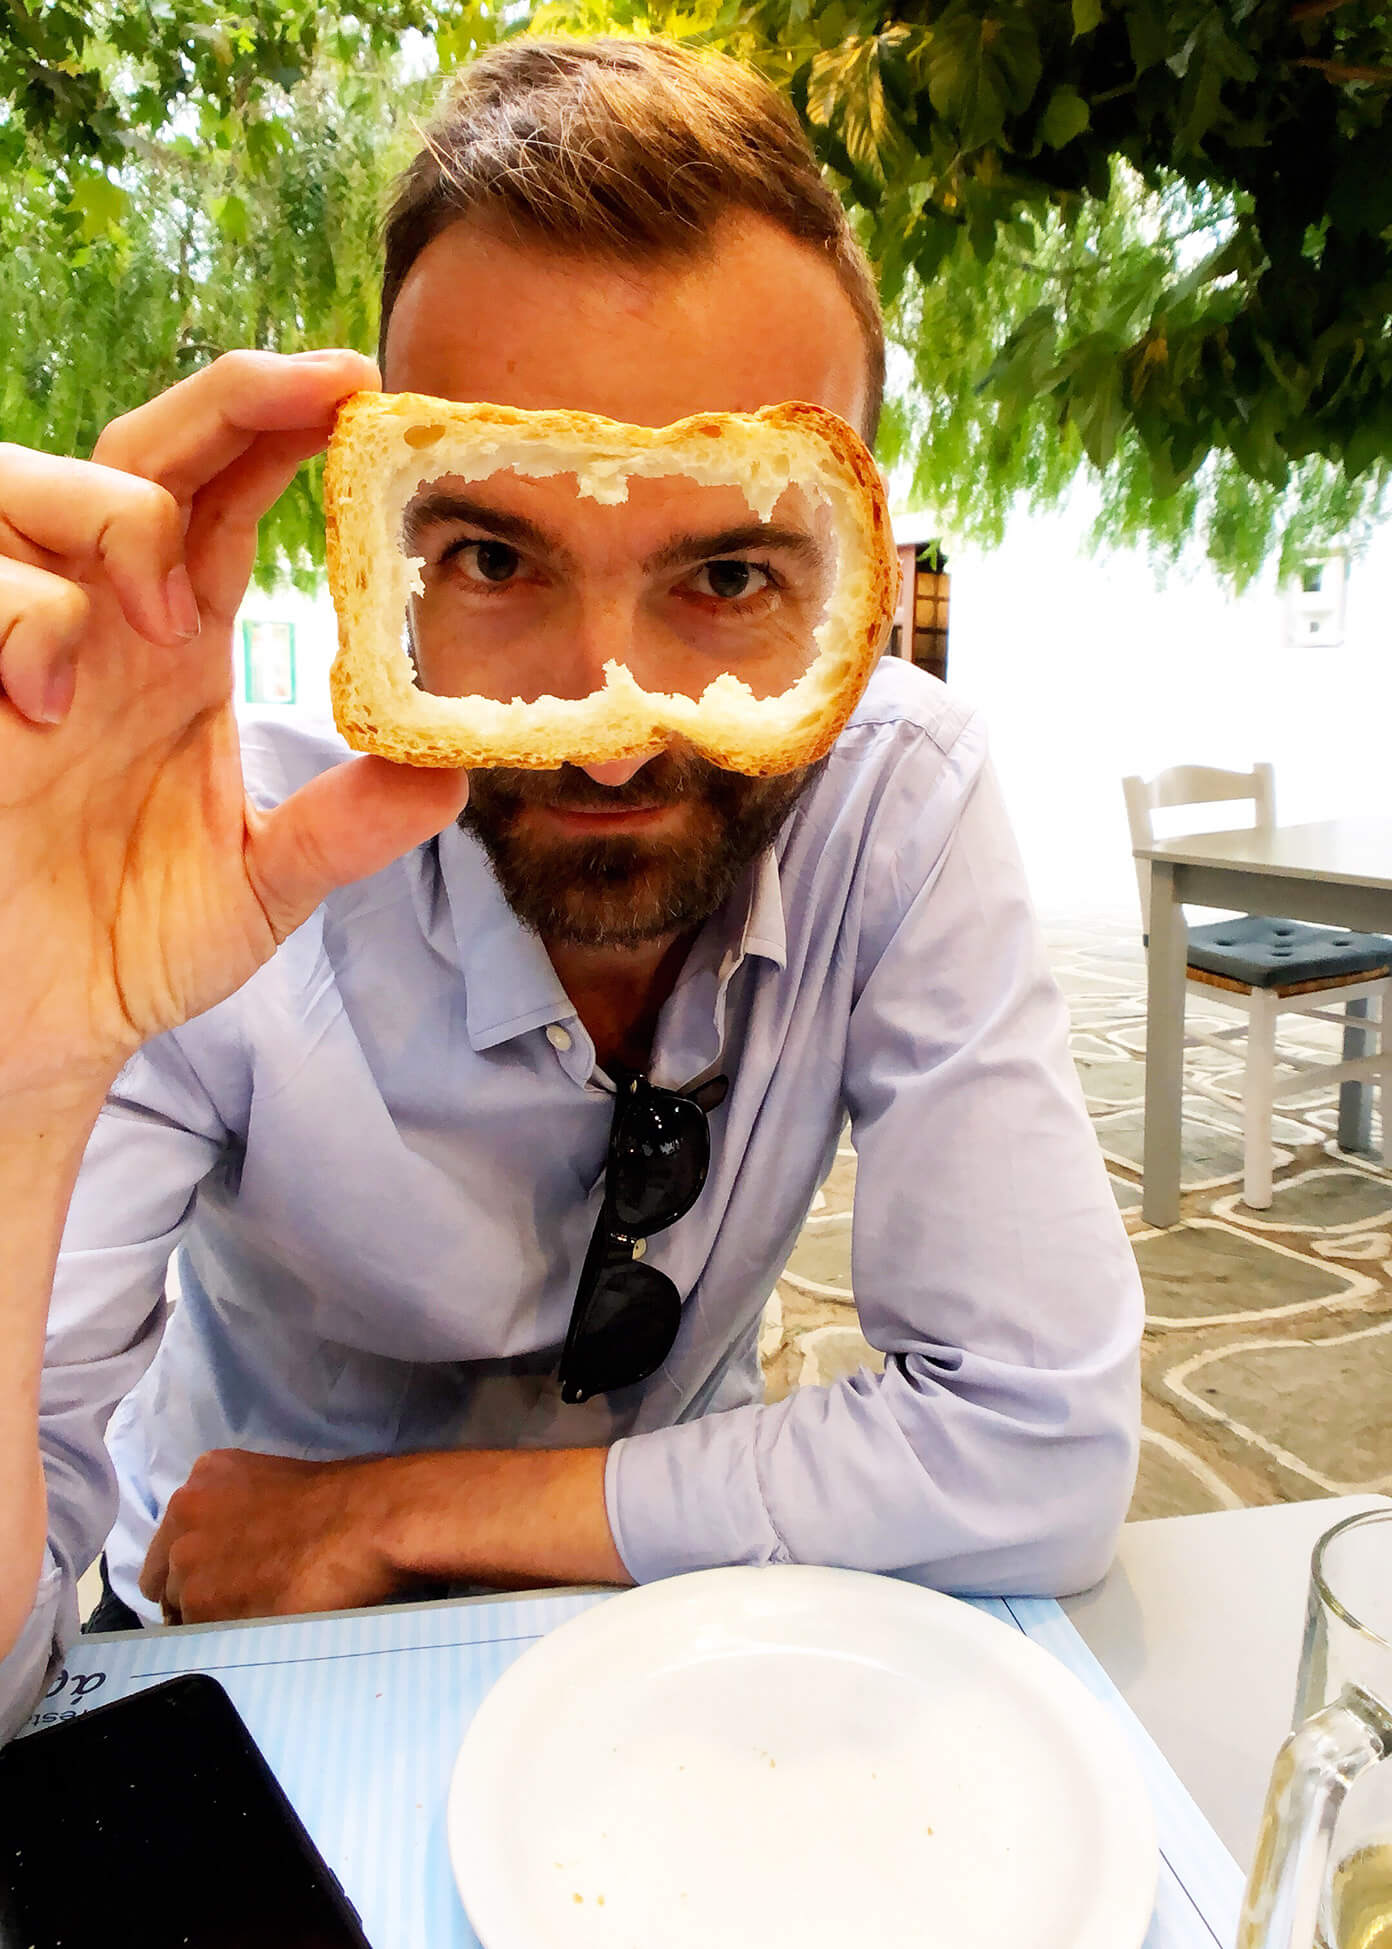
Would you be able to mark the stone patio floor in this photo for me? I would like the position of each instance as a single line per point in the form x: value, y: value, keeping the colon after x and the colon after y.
x: 1267, y: 1364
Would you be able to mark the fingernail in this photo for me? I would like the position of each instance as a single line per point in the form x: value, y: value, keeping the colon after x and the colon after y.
x: 181, y: 603
x: 58, y: 692
x: 331, y: 352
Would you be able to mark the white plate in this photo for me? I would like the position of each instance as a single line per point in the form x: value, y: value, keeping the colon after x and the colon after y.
x: 752, y: 1758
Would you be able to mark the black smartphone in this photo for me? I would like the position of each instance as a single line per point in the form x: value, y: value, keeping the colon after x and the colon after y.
x: 156, y: 1820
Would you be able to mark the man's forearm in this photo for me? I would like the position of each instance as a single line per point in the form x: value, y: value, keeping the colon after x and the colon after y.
x: 508, y: 1517
x: 42, y: 1138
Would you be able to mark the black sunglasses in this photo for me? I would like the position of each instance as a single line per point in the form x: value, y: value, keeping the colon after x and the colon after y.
x: 626, y: 1314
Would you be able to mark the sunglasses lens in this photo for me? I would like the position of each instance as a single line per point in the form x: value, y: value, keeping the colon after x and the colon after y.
x: 658, y: 1160
x: 630, y: 1323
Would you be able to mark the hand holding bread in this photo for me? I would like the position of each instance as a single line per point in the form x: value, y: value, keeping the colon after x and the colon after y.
x: 137, y: 887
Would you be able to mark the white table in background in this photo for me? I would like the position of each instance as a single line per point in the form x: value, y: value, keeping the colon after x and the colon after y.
x: 1338, y: 872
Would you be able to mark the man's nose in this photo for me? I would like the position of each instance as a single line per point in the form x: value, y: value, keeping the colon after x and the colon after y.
x: 605, y: 628
x: 619, y: 771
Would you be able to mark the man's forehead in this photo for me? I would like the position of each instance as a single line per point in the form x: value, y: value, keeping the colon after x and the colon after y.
x: 752, y: 319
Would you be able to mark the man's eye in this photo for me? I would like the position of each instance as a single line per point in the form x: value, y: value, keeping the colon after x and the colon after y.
x: 484, y: 561
x: 730, y: 580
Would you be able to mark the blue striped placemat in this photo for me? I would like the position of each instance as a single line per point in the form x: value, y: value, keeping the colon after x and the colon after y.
x: 361, y: 1714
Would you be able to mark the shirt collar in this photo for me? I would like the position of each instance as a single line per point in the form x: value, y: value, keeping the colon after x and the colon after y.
x: 510, y: 985
x: 765, y: 930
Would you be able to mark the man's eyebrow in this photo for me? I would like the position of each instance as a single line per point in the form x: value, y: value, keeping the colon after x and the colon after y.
x: 427, y: 510
x: 735, y: 541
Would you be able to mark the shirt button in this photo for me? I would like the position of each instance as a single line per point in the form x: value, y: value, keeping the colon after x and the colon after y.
x: 558, y: 1037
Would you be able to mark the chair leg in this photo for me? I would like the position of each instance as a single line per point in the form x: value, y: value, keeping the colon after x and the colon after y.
x: 1258, y: 1086
x: 1356, y: 1099
x: 1385, y: 1074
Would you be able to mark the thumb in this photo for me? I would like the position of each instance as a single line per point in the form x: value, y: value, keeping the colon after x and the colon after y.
x: 344, y: 825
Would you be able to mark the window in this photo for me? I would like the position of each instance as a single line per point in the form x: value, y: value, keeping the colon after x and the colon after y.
x: 268, y: 662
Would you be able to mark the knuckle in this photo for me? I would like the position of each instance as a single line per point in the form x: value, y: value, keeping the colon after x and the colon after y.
x: 209, y: 1474
x: 181, y: 1512
x: 195, y: 1604
x: 72, y: 606
x: 155, y: 508
x: 234, y: 374
x: 60, y: 607
x: 181, y: 1561
x: 118, y: 439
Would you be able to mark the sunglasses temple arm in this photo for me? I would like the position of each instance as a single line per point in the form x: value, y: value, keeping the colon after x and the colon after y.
x: 600, y: 1238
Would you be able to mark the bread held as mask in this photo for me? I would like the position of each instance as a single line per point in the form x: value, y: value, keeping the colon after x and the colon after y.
x: 385, y: 445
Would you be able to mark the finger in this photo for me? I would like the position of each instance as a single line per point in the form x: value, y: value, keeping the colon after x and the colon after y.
x: 89, y: 521
x: 342, y: 826
x: 187, y: 436
x: 154, y: 1573
x: 42, y: 618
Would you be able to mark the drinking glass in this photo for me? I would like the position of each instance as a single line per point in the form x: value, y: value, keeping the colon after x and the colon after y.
x: 1322, y: 1877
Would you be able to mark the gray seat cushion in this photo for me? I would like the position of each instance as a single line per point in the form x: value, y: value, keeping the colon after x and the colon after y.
x: 1266, y: 953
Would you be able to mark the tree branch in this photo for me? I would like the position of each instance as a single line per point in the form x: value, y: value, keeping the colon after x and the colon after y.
x: 1316, y: 9
x: 1344, y: 71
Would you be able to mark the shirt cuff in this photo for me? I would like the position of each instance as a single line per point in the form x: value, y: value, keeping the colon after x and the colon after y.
x: 51, y: 1624
x: 689, y: 1498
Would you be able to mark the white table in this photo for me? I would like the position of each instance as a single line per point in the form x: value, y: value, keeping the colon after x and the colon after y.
x: 1338, y: 872
x: 1198, y: 1624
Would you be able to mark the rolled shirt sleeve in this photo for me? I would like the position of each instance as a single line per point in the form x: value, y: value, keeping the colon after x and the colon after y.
x: 997, y: 1451
x: 155, y: 1139
x: 52, y: 1623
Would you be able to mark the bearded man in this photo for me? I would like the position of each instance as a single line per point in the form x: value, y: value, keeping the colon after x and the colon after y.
x: 363, y: 1064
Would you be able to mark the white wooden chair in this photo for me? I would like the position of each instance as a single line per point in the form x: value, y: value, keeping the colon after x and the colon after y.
x: 1266, y: 967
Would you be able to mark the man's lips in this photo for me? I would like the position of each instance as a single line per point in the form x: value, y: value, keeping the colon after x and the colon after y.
x: 592, y: 819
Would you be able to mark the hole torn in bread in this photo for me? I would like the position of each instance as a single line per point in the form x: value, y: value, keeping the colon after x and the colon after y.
x: 524, y: 589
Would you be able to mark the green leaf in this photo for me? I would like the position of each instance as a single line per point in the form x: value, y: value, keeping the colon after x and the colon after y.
x: 100, y: 203
x: 846, y: 92
x: 1094, y: 398
x: 1087, y: 15
x: 1368, y: 445
x: 230, y: 215
x: 1066, y: 116
x: 982, y: 67
x: 1149, y: 32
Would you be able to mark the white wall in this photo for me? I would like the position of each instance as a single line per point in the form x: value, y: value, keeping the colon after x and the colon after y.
x: 1086, y: 670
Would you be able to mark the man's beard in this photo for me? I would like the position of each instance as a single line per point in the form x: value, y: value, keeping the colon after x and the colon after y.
x: 622, y: 889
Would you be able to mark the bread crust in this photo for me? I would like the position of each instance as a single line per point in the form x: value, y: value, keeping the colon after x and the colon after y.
x: 385, y: 444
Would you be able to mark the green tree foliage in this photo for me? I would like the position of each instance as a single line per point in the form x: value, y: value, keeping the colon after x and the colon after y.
x: 1150, y: 235
x: 179, y: 180
x: 1142, y: 239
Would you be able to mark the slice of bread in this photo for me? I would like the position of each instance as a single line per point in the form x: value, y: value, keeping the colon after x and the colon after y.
x: 385, y: 446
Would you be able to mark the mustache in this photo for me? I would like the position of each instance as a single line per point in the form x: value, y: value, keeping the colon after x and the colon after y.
x: 667, y: 779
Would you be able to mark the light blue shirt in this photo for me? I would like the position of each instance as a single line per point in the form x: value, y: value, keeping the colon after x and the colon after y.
x: 379, y: 1163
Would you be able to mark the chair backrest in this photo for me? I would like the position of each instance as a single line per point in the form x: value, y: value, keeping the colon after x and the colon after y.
x: 1189, y: 785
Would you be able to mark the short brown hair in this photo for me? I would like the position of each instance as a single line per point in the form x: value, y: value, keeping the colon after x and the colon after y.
x: 630, y: 147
